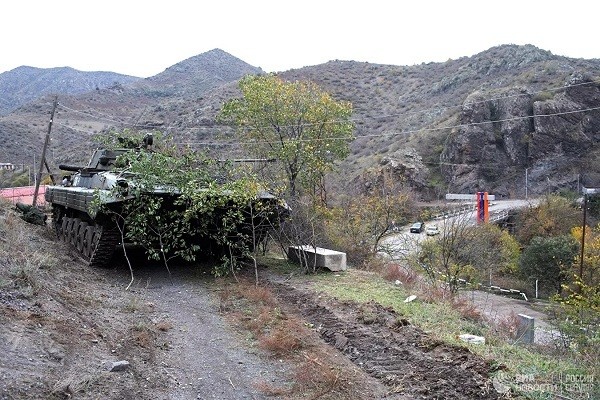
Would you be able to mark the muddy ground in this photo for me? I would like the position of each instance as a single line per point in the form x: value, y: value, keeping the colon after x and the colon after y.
x: 63, y: 325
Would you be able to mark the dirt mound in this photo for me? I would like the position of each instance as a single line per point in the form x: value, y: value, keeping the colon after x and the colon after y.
x: 386, y: 346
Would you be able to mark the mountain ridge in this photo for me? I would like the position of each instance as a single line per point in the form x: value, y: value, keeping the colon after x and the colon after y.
x: 24, y: 84
x: 402, y: 113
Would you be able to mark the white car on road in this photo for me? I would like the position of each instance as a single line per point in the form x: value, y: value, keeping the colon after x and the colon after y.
x: 432, y: 230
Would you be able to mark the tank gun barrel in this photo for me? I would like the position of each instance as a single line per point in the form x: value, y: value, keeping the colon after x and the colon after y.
x: 72, y: 168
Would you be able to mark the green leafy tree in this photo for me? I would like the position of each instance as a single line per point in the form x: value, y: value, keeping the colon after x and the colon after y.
x: 590, y: 274
x: 549, y: 259
x: 297, y: 123
x: 466, y: 251
x: 359, y: 224
x: 491, y: 251
x: 579, y: 315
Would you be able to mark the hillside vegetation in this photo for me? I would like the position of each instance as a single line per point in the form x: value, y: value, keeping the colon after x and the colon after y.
x: 415, y: 121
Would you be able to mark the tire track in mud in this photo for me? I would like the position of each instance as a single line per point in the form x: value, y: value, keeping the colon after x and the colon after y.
x: 387, y: 347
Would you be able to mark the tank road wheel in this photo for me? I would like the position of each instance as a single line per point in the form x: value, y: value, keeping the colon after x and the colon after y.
x: 96, y: 233
x: 80, y: 236
x: 58, y: 220
x: 63, y: 228
x: 58, y: 226
x: 73, y: 231
x: 68, y: 224
x: 87, y: 248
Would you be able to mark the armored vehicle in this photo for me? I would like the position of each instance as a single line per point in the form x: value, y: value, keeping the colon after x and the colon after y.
x: 91, y: 229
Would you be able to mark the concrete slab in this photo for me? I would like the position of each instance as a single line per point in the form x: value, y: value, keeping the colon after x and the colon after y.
x: 318, y: 256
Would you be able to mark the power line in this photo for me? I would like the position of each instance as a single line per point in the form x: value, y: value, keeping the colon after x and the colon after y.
x: 441, y: 107
x: 113, y: 119
x: 386, y: 134
x: 404, y: 132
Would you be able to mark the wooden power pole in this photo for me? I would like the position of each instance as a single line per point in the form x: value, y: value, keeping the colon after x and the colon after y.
x: 43, y: 161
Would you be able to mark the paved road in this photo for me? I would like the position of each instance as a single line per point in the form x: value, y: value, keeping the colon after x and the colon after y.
x: 402, y: 243
x: 500, y: 308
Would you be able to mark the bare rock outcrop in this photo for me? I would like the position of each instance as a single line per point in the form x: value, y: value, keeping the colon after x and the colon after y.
x: 498, y: 140
x: 403, y: 167
x: 568, y: 124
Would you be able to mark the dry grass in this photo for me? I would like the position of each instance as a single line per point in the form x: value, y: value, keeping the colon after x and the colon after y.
x: 164, y: 326
x: 313, y: 371
x: 466, y: 309
x: 142, y: 336
x: 395, y: 272
x: 505, y: 327
x: 316, y: 372
x: 258, y: 294
x: 271, y: 390
x: 259, y: 321
x: 435, y: 294
x: 286, y: 338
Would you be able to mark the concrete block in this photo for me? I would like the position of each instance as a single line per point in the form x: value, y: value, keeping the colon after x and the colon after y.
x: 319, y: 257
x: 474, y: 339
x: 526, y: 329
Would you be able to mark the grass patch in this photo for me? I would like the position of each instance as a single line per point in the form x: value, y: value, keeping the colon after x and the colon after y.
x: 438, y: 319
x: 445, y: 320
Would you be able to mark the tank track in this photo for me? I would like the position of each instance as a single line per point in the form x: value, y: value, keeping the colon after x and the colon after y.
x: 95, y: 243
x: 105, y: 247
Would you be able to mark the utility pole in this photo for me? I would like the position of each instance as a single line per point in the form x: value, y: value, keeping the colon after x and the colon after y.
x: 43, y: 161
x: 585, y: 200
x: 526, y: 182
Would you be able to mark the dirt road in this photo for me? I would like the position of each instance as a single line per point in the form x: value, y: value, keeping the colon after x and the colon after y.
x: 63, y: 324
x: 205, y: 359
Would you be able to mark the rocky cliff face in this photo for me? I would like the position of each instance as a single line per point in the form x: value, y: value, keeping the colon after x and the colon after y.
x: 518, y: 132
x: 568, y: 124
x: 404, y: 167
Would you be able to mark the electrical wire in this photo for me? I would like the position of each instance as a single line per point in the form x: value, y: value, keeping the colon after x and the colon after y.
x: 113, y: 119
x: 212, y: 143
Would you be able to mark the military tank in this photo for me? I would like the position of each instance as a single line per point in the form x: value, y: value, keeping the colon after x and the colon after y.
x: 92, y: 230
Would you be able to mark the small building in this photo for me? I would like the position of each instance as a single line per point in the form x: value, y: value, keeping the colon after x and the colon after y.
x: 7, y: 166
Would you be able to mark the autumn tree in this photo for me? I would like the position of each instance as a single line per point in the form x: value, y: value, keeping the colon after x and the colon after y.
x: 359, y: 224
x: 467, y: 251
x: 591, y: 255
x: 297, y: 123
x: 491, y: 251
x: 553, y: 216
x: 579, y: 316
x: 579, y: 304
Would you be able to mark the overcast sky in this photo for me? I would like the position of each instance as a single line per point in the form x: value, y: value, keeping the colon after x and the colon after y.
x: 143, y: 38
